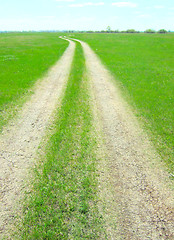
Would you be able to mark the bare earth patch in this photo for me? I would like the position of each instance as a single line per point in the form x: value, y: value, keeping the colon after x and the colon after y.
x: 20, y: 140
x: 136, y: 190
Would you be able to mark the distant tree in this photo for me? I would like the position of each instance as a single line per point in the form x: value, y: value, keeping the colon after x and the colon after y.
x: 116, y: 31
x: 162, y: 31
x: 150, y: 31
x: 108, y: 29
x: 131, y: 31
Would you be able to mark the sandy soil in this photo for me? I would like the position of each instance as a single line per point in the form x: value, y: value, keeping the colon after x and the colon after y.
x: 135, y: 189
x: 20, y: 140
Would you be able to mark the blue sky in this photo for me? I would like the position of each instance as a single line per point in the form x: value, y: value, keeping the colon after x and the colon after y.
x: 86, y: 14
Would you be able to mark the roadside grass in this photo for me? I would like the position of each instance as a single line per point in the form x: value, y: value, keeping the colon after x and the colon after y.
x: 62, y: 203
x: 143, y: 66
x: 24, y: 57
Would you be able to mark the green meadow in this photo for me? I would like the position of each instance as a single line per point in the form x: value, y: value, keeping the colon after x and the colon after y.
x: 62, y: 202
x: 143, y: 67
x: 24, y: 57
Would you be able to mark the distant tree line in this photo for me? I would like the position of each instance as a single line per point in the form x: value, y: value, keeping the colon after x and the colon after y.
x: 108, y: 30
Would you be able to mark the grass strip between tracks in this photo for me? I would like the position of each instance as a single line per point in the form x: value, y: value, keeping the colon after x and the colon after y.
x: 62, y: 203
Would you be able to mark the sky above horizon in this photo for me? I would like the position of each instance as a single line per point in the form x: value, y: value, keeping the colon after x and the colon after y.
x: 19, y: 15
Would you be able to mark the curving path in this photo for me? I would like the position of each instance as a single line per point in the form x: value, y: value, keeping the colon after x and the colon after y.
x: 134, y: 186
x: 19, y: 141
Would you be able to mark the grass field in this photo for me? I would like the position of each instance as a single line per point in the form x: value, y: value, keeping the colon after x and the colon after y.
x: 24, y: 57
x: 62, y: 203
x: 143, y: 66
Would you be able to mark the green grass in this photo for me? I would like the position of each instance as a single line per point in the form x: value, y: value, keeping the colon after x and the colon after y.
x: 63, y: 202
x: 143, y: 65
x: 24, y: 57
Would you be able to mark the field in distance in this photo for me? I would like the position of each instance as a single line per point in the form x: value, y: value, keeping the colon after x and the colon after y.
x: 143, y: 66
x: 24, y: 57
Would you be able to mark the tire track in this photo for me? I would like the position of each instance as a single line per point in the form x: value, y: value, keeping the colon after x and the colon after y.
x: 20, y: 140
x: 133, y: 183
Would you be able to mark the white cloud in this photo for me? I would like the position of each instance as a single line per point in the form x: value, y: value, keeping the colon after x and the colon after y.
x: 45, y: 17
x: 143, y: 16
x: 137, y: 12
x: 125, y: 4
x: 86, y: 4
x: 64, y: 0
x: 159, y: 6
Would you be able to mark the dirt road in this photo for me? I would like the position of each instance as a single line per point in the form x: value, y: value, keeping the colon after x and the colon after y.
x: 19, y: 141
x: 136, y: 197
x: 134, y: 186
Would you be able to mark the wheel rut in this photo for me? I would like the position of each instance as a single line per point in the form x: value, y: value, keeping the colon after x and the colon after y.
x: 20, y: 139
x: 136, y: 190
